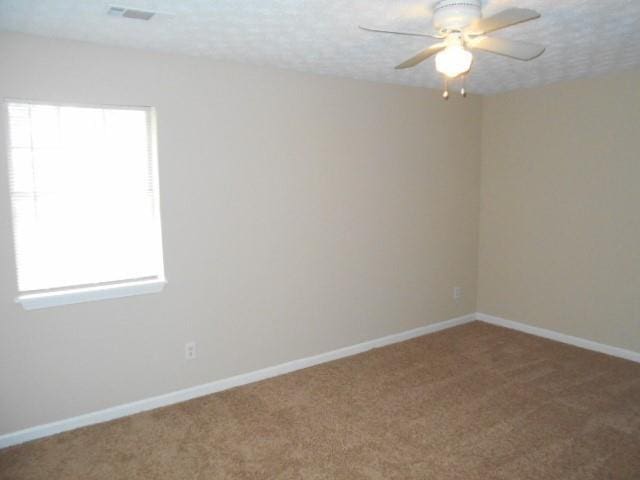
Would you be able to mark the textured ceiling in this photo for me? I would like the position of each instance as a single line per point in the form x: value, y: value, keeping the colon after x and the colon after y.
x: 583, y: 37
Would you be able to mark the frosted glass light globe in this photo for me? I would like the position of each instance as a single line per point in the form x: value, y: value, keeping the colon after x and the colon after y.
x: 453, y: 61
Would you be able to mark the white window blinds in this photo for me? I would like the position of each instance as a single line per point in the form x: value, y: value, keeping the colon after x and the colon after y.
x: 84, y: 196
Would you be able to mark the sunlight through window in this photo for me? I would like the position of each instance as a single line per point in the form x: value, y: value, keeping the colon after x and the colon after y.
x: 84, y: 195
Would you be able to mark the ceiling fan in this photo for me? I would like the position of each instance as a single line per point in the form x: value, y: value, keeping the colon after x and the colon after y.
x: 460, y: 27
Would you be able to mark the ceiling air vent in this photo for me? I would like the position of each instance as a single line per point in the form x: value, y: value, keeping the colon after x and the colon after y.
x: 126, y: 12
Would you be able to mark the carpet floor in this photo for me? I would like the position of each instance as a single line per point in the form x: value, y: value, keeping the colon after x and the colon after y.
x: 472, y: 402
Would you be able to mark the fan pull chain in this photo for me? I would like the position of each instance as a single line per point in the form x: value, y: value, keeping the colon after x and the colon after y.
x: 463, y: 89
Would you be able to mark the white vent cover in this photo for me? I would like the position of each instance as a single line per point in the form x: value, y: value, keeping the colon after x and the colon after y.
x: 126, y: 12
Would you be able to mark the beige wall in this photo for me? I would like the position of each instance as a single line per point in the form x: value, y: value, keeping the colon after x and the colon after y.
x: 300, y: 214
x: 560, y: 214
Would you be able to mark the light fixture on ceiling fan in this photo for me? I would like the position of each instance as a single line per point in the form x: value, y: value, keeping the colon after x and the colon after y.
x: 461, y: 27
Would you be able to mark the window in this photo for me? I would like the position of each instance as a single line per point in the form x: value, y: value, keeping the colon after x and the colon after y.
x: 84, y: 195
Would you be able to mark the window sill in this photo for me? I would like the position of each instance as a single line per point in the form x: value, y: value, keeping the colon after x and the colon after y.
x: 35, y: 301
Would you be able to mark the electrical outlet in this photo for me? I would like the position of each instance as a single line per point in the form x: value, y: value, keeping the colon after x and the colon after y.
x: 457, y: 293
x: 190, y: 350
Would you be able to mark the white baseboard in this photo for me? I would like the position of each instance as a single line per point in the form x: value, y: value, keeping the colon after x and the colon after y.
x: 560, y: 337
x: 124, y: 410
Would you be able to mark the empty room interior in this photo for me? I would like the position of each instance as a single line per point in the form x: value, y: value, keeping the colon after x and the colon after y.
x: 298, y: 239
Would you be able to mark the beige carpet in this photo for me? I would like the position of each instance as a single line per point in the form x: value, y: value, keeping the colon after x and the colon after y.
x: 472, y: 402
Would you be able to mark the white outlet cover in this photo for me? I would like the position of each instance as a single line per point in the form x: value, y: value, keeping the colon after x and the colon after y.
x: 190, y: 350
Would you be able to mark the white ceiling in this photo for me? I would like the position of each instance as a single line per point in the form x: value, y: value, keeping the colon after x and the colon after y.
x: 583, y: 37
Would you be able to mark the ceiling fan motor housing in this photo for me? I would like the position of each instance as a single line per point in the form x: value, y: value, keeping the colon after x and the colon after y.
x: 454, y: 15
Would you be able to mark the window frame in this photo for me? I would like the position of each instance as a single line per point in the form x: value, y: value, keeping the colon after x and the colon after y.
x: 71, y: 294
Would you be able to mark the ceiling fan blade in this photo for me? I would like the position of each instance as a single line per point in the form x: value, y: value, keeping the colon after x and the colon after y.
x: 508, y: 48
x: 411, y: 34
x: 503, y: 19
x: 421, y: 56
